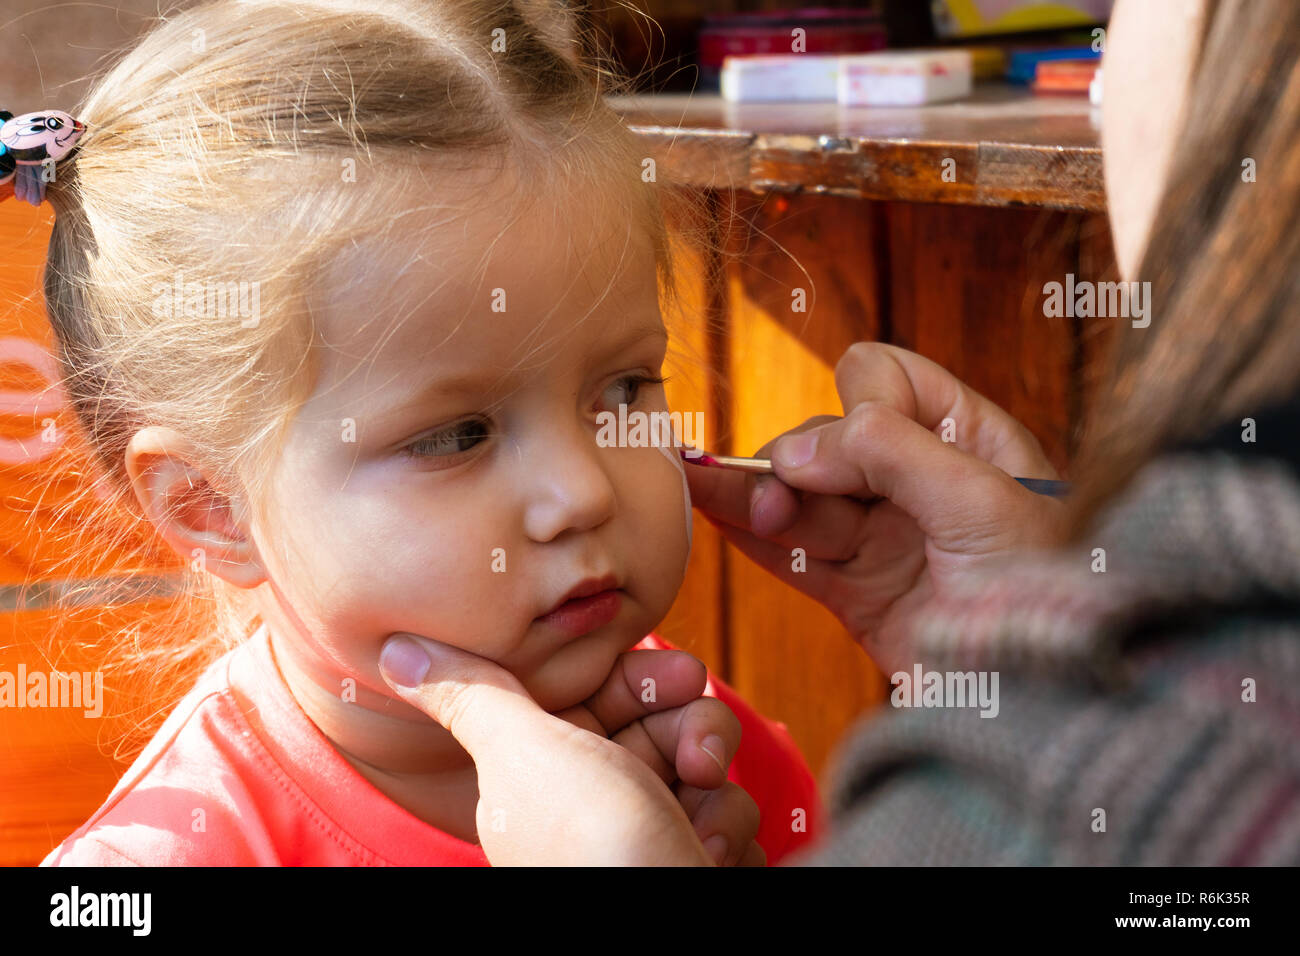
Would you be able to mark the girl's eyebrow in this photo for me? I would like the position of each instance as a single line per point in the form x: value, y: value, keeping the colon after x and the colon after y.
x: 451, y: 384
x: 479, y: 382
x: 635, y: 337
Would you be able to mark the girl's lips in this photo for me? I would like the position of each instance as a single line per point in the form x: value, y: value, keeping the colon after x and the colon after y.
x: 581, y: 615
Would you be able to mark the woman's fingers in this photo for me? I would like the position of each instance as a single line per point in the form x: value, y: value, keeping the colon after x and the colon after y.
x: 930, y: 395
x: 479, y: 702
x: 726, y: 821
x: 888, y: 544
x: 549, y: 792
x: 727, y: 495
x: 643, y: 682
x: 694, y: 743
x: 876, y: 450
x: 774, y: 506
x: 872, y: 489
x: 651, y: 704
x: 828, y: 527
x: 720, y: 493
x: 700, y: 738
x: 690, y: 745
x: 812, y: 576
x: 765, y: 450
x: 897, y: 406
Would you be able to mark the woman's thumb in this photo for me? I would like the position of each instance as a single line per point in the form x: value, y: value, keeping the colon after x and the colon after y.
x: 875, y: 450
x: 478, y: 701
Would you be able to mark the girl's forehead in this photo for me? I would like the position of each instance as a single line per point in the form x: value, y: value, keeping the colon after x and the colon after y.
x: 487, y: 285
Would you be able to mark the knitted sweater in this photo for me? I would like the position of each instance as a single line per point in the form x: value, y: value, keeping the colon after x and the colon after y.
x: 1146, y: 714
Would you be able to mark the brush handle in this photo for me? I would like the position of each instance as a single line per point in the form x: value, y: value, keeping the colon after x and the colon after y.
x: 763, y: 466
x: 758, y: 466
x: 1046, y: 486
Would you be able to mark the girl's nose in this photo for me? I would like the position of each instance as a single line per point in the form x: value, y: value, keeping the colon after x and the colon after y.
x: 566, y: 485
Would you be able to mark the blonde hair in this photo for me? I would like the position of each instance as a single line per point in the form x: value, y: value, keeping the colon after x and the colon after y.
x: 216, y: 150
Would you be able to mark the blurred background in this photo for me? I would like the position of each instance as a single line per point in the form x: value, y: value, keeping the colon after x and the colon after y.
x: 674, y: 45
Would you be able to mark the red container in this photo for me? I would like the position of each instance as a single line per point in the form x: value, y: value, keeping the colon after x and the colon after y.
x: 826, y: 30
x: 1065, y: 76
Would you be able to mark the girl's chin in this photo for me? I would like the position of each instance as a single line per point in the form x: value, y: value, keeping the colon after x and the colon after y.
x: 575, y: 673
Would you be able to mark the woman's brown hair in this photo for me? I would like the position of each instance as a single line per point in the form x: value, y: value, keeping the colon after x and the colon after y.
x: 1223, y: 260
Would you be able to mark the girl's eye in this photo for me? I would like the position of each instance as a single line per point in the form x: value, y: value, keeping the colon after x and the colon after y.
x: 632, y: 384
x: 459, y: 437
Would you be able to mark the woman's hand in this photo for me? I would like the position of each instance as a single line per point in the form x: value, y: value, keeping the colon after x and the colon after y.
x: 919, y: 511
x: 590, y: 786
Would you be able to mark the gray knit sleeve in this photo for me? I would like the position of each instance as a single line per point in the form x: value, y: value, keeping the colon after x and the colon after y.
x: 929, y: 814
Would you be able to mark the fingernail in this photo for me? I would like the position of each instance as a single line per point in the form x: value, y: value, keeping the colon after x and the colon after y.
x: 404, y: 662
x: 715, y: 748
x: 716, y: 847
x: 795, y: 451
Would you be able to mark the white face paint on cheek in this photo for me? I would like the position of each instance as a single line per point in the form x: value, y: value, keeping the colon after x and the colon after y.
x: 664, y: 441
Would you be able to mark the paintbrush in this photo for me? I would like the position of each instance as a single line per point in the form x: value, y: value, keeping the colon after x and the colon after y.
x: 763, y: 466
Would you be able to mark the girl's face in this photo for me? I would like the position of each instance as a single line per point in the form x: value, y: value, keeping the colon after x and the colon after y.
x: 445, y: 479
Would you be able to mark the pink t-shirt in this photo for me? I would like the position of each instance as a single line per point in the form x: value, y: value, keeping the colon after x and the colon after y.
x: 238, y: 775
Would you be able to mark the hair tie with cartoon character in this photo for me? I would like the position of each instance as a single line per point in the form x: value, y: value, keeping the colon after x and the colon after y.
x: 29, y: 141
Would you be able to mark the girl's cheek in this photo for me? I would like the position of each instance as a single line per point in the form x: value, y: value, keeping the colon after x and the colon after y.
x: 435, y: 573
x: 664, y: 443
x: 675, y: 459
x: 667, y: 523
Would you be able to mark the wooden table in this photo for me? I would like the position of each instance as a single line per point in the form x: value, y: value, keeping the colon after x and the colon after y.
x: 850, y: 211
x: 1007, y: 147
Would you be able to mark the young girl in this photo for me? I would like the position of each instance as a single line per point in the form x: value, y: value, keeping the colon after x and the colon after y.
x: 341, y: 289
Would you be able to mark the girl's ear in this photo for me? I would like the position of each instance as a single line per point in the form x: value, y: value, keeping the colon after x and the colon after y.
x: 201, y: 523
